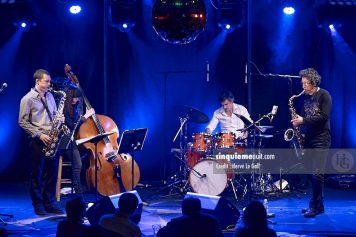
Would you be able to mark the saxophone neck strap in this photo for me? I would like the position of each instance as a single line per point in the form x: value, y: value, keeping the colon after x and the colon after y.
x: 45, y: 105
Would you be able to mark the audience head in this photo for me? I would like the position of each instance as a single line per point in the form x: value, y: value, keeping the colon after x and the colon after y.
x: 3, y: 232
x: 128, y: 203
x: 191, y: 206
x: 75, y: 209
x: 255, y: 215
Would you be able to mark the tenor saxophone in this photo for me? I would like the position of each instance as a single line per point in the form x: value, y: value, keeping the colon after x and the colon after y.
x: 58, y: 129
x: 294, y: 132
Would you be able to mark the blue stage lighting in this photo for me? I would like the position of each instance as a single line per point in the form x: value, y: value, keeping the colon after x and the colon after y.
x: 24, y: 25
x: 289, y: 10
x: 226, y: 25
x: 75, y: 9
x: 331, y: 27
x: 126, y: 26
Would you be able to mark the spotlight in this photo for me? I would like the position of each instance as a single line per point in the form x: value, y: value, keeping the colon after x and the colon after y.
x: 226, y: 26
x: 24, y: 25
x: 288, y: 10
x: 125, y: 26
x: 75, y: 9
x: 331, y: 27
x: 230, y: 15
x: 122, y: 14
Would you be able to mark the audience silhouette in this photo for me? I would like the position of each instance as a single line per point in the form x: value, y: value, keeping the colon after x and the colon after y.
x: 119, y: 224
x: 73, y: 225
x: 193, y: 223
x: 255, y: 222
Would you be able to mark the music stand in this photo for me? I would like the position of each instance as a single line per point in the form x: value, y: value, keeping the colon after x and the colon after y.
x: 95, y: 139
x: 130, y: 141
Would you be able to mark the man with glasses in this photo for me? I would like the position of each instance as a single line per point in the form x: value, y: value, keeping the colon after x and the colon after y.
x: 37, y: 110
x: 316, y: 125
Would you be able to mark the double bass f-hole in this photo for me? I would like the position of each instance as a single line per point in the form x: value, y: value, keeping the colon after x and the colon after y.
x: 111, y: 165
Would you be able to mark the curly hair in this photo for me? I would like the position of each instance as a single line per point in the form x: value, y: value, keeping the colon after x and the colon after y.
x: 312, y: 75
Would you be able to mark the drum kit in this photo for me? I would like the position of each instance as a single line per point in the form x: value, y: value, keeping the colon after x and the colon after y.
x: 197, y: 171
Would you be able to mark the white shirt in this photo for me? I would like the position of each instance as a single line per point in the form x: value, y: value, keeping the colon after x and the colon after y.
x: 229, y: 123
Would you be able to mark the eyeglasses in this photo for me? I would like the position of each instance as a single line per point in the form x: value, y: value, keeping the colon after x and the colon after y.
x: 305, y: 83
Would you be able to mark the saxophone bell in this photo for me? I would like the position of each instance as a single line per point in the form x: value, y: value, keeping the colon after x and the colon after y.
x: 289, y: 134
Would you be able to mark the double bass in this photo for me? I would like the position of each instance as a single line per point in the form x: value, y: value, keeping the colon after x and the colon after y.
x: 114, y: 171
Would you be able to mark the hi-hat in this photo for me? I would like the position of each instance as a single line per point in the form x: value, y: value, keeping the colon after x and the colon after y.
x: 194, y: 115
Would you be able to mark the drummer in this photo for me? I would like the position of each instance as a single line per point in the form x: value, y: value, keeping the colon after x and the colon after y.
x: 230, y: 116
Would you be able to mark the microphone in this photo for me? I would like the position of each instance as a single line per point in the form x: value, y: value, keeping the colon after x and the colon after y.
x: 273, y: 112
x: 246, y: 73
x: 203, y: 176
x: 3, y: 87
x: 207, y: 71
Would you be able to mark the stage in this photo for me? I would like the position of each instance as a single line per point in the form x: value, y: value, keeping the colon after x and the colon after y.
x: 160, y: 205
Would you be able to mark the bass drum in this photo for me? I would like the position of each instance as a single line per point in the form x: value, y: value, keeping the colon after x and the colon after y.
x: 208, y: 177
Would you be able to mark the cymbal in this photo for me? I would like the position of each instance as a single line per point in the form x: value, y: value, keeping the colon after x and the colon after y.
x: 264, y: 135
x: 266, y: 127
x: 193, y: 114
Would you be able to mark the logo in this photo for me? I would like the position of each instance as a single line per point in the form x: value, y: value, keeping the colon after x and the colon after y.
x: 342, y: 161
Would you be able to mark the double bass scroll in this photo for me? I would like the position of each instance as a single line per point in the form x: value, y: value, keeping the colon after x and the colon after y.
x: 114, y: 170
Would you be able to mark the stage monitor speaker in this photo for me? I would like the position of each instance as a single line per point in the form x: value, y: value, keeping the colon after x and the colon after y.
x: 222, y: 209
x: 108, y: 205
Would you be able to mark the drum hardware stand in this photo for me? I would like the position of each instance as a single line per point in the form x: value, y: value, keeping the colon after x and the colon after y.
x: 253, y: 129
x: 233, y: 188
x: 179, y: 180
x: 8, y: 215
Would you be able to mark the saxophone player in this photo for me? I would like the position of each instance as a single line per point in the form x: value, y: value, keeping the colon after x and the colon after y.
x: 37, y: 110
x: 316, y: 124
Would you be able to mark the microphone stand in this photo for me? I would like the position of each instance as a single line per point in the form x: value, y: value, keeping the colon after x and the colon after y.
x: 289, y: 77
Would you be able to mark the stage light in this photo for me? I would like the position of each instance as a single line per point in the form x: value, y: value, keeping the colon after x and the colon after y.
x: 25, y: 25
x: 125, y: 26
x: 288, y: 10
x: 331, y: 27
x: 75, y: 9
x: 122, y: 14
x: 226, y: 26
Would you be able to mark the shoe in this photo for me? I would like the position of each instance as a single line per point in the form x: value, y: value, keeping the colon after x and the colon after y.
x: 312, y: 212
x: 40, y: 211
x: 320, y: 209
x: 54, y: 209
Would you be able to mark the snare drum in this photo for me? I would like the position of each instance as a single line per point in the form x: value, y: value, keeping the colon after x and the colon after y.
x: 202, y: 142
x: 224, y: 140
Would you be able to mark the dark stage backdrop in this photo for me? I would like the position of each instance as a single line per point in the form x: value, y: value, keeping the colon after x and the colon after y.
x: 148, y: 78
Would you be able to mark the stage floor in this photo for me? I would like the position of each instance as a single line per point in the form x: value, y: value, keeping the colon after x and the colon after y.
x: 161, y: 205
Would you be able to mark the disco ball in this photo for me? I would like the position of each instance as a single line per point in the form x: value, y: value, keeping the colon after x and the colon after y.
x: 178, y: 21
